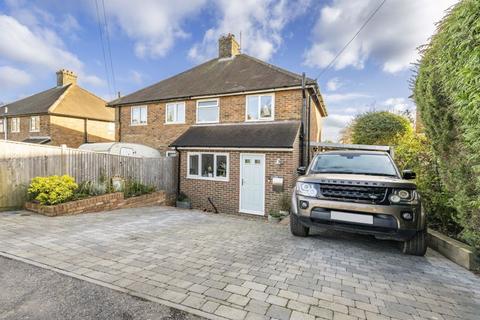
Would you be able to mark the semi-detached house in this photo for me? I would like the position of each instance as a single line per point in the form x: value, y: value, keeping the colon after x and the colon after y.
x: 238, y: 125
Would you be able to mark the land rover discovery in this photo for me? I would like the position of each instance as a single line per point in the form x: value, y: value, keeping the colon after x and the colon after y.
x: 361, y: 192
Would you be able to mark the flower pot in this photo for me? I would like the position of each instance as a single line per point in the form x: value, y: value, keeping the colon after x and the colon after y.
x: 273, y: 219
x: 184, y: 204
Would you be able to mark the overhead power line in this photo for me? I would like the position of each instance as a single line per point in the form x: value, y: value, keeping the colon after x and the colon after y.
x: 374, y: 12
x: 108, y: 47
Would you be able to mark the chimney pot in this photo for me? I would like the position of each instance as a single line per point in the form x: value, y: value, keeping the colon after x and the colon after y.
x: 65, y: 77
x: 227, y: 46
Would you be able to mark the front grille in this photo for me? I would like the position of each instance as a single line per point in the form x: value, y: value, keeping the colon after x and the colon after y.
x: 365, y: 194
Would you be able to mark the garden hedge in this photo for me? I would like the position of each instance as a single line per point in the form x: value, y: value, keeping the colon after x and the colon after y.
x: 447, y: 94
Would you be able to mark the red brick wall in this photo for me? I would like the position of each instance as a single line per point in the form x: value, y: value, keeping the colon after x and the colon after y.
x: 159, y: 135
x: 225, y: 194
x: 25, y: 128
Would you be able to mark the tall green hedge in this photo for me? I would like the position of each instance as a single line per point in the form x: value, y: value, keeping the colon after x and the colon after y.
x: 447, y: 94
x: 379, y: 128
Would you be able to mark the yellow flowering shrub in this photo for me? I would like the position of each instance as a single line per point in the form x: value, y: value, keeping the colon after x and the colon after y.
x: 52, y: 190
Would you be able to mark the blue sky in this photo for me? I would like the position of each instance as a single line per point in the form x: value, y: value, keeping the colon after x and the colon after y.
x: 153, y: 39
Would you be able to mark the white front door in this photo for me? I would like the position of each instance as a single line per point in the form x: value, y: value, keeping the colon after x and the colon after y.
x: 252, y: 183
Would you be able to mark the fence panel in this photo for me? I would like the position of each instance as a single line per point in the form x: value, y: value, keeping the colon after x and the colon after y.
x: 21, y: 162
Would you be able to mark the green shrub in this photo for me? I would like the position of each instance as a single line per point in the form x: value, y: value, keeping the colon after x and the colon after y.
x: 379, y: 128
x: 414, y: 152
x: 446, y: 91
x: 135, y: 188
x: 52, y: 190
x: 90, y: 189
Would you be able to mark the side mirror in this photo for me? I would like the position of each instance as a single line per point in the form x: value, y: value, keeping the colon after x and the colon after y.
x: 408, y: 175
x: 301, y: 171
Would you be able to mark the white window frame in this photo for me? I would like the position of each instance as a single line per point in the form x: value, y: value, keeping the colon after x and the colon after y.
x: 140, y: 113
x: 15, y: 128
x: 199, y: 176
x: 37, y: 124
x: 272, y: 118
x: 218, y: 110
x: 2, y: 126
x: 175, y: 105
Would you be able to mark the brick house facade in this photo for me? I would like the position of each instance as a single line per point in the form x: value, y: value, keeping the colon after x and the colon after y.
x: 239, y: 129
x: 66, y: 114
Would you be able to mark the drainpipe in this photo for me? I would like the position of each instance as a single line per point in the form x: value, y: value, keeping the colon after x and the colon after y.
x: 5, y: 124
x: 302, y: 125
x: 179, y: 163
x: 308, y: 128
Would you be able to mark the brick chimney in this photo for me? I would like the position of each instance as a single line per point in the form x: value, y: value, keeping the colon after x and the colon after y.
x: 65, y: 77
x: 227, y: 46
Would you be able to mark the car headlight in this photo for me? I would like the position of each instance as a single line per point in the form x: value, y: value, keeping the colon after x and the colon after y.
x: 401, y: 195
x: 307, y: 189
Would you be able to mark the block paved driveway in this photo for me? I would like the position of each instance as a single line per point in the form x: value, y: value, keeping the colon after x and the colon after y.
x: 221, y: 266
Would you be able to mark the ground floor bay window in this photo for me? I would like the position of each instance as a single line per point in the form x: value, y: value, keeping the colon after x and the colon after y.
x: 213, y: 166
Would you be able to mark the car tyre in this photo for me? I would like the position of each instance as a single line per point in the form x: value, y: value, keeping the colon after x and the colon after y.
x: 296, y: 227
x: 417, y: 245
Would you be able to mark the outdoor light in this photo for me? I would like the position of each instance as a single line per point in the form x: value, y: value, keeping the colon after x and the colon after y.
x: 407, y: 216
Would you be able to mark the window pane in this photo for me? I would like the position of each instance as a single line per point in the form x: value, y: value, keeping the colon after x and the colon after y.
x: 209, y: 103
x: 2, y: 127
x: 181, y: 112
x: 207, y: 165
x: 143, y: 115
x: 265, y: 106
x: 193, y: 165
x: 170, y: 112
x: 222, y: 166
x: 208, y: 114
x: 135, y: 115
x: 252, y: 108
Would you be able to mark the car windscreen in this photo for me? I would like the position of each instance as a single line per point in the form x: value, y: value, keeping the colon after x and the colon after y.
x: 354, y: 163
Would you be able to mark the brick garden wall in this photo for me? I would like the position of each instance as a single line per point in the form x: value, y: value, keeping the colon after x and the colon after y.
x: 104, y: 202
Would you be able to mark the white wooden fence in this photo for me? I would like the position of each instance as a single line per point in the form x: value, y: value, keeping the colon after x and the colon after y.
x: 20, y: 162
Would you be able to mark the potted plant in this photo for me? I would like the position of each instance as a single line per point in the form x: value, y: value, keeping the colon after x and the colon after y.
x: 183, y: 201
x: 275, y: 216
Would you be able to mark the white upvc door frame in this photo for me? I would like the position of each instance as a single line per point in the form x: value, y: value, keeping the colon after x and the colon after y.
x: 263, y: 156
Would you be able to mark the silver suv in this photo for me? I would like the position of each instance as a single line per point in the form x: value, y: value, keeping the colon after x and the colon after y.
x: 361, y: 192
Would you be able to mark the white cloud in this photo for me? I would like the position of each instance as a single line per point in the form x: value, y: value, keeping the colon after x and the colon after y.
x: 391, y: 38
x: 40, y: 49
x: 332, y: 126
x: 333, y: 84
x: 261, y: 23
x: 399, y: 105
x: 341, y: 97
x: 136, y: 77
x: 11, y: 78
x: 154, y: 25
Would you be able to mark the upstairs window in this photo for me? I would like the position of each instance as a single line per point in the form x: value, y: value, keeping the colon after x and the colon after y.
x: 35, y: 124
x: 138, y: 116
x: 15, y: 125
x: 175, y: 112
x: 208, y: 111
x: 210, y: 166
x: 260, y: 107
x: 2, y: 125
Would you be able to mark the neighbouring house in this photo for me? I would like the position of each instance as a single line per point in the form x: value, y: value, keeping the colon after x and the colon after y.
x: 65, y: 114
x: 239, y: 126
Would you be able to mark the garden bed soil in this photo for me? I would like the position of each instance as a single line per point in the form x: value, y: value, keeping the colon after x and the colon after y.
x: 104, y: 202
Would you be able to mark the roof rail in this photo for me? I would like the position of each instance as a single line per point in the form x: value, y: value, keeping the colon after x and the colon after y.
x: 324, y: 146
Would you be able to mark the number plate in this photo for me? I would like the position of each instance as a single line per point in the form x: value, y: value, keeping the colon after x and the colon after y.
x: 351, y: 217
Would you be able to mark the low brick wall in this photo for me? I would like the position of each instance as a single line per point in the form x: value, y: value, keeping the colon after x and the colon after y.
x: 104, y: 202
